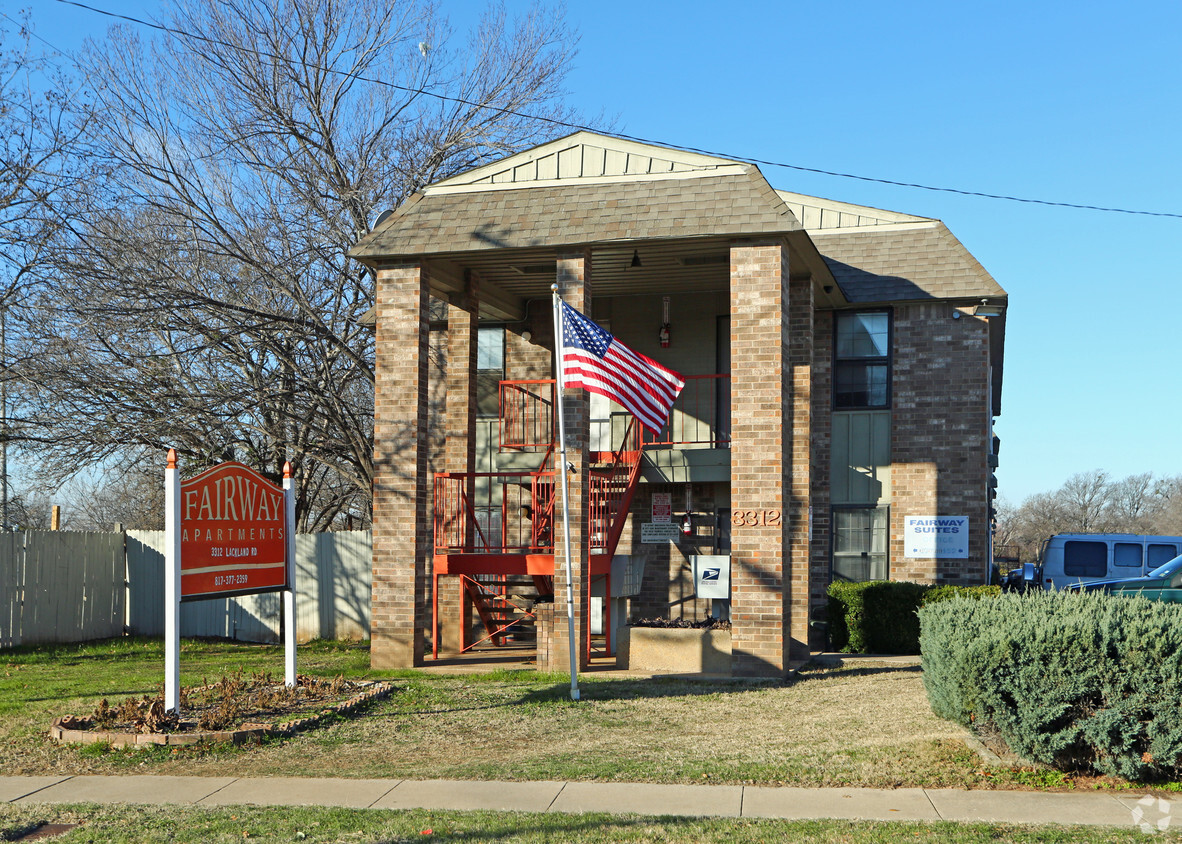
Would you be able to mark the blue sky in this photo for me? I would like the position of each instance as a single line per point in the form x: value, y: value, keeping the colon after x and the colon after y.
x: 1065, y: 102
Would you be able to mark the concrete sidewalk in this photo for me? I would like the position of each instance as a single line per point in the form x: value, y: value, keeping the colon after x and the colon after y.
x: 904, y: 804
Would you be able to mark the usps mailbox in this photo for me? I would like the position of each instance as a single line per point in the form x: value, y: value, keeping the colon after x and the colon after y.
x: 712, y: 575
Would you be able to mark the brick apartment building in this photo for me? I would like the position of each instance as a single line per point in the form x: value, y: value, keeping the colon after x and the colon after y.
x: 843, y: 364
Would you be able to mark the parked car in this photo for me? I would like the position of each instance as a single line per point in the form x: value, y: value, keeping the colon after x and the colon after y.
x: 1070, y: 558
x: 1164, y: 583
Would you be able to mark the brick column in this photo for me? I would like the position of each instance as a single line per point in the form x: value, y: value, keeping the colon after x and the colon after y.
x: 574, y: 284
x: 822, y: 437
x: 940, y: 435
x: 463, y: 319
x: 799, y: 474
x: 760, y: 454
x: 401, y: 508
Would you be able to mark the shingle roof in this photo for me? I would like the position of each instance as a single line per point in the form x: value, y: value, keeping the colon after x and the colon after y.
x: 574, y: 213
x: 900, y: 263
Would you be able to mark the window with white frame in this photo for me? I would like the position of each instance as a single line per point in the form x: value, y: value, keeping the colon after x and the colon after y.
x: 860, y: 544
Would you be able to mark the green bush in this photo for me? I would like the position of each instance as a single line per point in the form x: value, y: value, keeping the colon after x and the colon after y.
x: 947, y: 593
x: 879, y: 616
x: 1086, y: 681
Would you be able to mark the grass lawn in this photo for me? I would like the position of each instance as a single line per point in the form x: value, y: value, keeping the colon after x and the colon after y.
x: 865, y: 727
x: 200, y: 826
x: 870, y: 727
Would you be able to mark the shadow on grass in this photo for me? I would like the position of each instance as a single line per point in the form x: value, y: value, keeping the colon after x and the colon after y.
x: 558, y: 694
x: 591, y: 690
x: 869, y: 671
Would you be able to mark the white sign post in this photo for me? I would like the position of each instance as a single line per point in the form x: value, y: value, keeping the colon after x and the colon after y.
x: 289, y: 595
x: 172, y: 585
x: 222, y: 549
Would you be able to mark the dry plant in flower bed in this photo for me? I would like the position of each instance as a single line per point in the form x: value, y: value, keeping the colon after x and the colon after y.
x: 223, y: 705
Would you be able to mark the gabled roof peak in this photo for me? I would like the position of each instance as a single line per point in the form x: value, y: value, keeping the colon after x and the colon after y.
x: 585, y: 158
x: 820, y: 215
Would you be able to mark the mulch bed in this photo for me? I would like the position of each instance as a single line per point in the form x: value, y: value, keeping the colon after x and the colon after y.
x: 235, y: 709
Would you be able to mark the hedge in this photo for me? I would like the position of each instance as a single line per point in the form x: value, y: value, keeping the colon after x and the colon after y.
x: 879, y: 616
x: 1081, y: 682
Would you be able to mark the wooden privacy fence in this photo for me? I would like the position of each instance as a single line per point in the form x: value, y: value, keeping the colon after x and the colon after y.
x: 58, y: 586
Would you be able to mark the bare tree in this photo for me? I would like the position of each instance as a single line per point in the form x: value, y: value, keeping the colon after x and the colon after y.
x: 32, y: 509
x: 1026, y: 526
x: 42, y: 118
x: 1089, y: 502
x: 201, y: 297
x: 1169, y: 517
x: 39, y: 129
x: 1085, y: 500
x: 129, y: 495
x: 1135, y: 503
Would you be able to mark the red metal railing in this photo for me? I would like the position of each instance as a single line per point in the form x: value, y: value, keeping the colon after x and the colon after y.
x: 494, y: 512
x: 700, y: 416
x: 527, y: 414
x: 611, y: 489
x: 498, y: 612
x: 513, y: 512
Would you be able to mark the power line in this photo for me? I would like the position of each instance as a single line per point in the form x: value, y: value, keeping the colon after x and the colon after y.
x: 578, y: 127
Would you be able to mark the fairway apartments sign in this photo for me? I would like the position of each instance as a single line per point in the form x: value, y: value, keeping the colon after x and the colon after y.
x: 227, y: 531
x: 233, y: 536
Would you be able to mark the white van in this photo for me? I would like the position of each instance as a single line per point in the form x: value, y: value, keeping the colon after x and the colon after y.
x: 1068, y: 558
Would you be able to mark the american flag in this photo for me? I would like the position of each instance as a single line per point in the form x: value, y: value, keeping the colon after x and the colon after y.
x: 599, y: 363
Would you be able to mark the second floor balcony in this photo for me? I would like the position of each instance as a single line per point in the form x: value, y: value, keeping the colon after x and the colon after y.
x: 700, y: 418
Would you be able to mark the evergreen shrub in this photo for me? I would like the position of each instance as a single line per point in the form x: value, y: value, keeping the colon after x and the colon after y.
x: 947, y: 593
x: 879, y: 616
x: 1078, y: 681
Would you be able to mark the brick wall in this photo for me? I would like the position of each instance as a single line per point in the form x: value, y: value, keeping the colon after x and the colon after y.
x: 939, y: 436
x: 667, y: 590
x: 574, y: 280
x: 401, y: 527
x: 798, y: 474
x: 822, y: 398
x: 459, y: 441
x: 760, y: 456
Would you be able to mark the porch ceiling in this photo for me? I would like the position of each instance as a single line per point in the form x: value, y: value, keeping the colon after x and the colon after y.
x: 509, y: 277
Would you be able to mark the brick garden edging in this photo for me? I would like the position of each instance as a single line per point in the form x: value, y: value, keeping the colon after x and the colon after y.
x: 63, y: 729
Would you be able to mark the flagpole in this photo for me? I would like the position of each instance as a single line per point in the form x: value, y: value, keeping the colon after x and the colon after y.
x: 561, y: 469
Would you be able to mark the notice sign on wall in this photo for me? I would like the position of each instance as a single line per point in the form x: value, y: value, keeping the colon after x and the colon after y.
x: 655, y: 533
x: 662, y: 507
x: 232, y: 533
x: 943, y: 537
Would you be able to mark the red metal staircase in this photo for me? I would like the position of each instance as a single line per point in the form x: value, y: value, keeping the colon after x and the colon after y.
x: 511, y: 546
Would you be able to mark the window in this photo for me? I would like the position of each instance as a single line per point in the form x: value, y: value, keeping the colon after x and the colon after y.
x: 1159, y: 554
x: 490, y: 369
x: 862, y: 356
x: 1127, y: 554
x: 1085, y: 559
x: 860, y: 544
